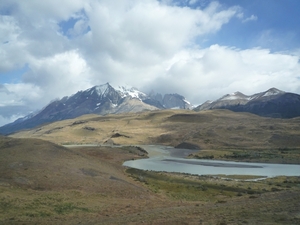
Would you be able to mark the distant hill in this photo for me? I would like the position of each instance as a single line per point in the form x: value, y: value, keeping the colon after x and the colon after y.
x: 209, y: 129
x: 271, y: 103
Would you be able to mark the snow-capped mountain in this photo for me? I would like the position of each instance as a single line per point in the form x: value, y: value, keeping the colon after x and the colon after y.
x: 132, y: 92
x: 101, y: 99
x: 271, y: 103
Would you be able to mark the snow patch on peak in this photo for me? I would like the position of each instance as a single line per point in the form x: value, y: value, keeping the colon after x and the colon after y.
x: 235, y: 96
x: 101, y: 89
x: 127, y: 91
x: 241, y: 97
x: 187, y: 102
x: 272, y: 91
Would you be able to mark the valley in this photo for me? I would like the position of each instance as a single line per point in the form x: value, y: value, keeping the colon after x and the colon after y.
x: 42, y: 182
x: 156, y: 112
x: 217, y: 134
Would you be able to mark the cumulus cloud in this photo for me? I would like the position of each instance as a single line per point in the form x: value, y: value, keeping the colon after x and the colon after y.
x: 10, y: 45
x: 72, y: 45
x: 135, y: 40
x: 208, y: 74
x: 62, y: 73
x: 17, y: 100
x: 37, y: 12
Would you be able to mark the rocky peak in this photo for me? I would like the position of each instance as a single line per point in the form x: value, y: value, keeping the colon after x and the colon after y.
x: 131, y: 92
x: 234, y: 96
x: 100, y: 99
x: 273, y: 91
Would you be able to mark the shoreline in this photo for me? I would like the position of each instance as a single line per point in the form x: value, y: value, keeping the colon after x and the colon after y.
x: 214, y: 164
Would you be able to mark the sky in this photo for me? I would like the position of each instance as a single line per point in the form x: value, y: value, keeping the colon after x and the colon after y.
x: 200, y: 49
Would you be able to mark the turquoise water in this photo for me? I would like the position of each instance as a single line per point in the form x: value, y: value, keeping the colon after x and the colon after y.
x: 171, y: 160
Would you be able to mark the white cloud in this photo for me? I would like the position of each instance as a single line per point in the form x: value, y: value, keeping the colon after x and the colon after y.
x: 136, y: 40
x: 251, y: 18
x: 17, y: 100
x: 10, y: 45
x: 148, y: 44
x: 150, y: 27
x: 9, y: 28
x: 48, y: 78
x: 38, y: 12
x: 63, y: 73
x: 20, y: 94
x: 210, y: 73
x: 5, y: 120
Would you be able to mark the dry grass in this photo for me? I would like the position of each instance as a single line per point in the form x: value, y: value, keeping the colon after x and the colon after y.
x: 43, y: 183
x: 220, y: 133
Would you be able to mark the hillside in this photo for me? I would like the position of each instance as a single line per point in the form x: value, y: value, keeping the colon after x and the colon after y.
x: 42, y: 165
x: 44, y: 183
x: 206, y: 130
x: 40, y: 180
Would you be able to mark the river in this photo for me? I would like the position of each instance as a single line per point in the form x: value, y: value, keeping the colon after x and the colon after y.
x: 168, y: 159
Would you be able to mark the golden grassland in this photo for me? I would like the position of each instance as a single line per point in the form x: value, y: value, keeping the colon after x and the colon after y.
x: 219, y: 134
x: 44, y: 183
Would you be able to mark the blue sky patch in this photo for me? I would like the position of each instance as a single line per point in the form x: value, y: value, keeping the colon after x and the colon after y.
x: 14, y: 76
x: 75, y: 26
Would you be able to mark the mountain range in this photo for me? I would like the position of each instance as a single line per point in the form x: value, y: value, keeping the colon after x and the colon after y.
x: 101, y: 99
x: 271, y: 103
x: 105, y: 99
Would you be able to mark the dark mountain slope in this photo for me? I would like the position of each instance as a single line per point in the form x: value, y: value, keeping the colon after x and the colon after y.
x: 272, y: 103
x: 102, y: 99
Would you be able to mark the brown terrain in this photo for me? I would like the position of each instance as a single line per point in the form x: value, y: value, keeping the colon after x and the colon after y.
x: 220, y: 134
x: 42, y: 182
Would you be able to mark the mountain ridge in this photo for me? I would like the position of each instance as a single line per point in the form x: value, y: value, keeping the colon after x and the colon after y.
x: 100, y: 99
x: 105, y: 99
x: 271, y: 103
